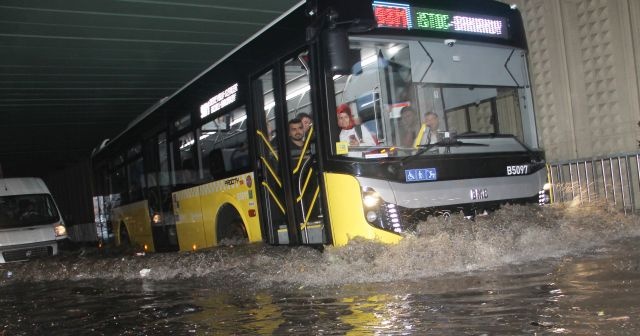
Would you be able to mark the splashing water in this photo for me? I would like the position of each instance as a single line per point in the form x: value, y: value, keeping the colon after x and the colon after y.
x: 514, y: 234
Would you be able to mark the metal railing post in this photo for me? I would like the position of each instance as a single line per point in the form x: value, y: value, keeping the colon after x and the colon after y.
x: 630, y: 186
x: 619, y: 184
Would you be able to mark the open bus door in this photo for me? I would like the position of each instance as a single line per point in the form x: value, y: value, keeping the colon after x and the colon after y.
x: 288, y: 188
x: 158, y: 193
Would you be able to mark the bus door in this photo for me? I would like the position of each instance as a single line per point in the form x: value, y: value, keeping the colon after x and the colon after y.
x: 289, y: 187
x: 158, y: 192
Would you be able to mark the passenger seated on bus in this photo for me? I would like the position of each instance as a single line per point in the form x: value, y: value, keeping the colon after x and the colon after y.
x: 409, y: 126
x: 354, y: 134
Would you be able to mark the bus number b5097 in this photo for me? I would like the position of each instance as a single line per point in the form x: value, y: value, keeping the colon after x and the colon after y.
x: 517, y: 170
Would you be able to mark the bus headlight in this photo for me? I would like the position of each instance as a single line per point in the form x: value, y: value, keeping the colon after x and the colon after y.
x: 546, y: 187
x: 60, y: 230
x: 156, y: 218
x: 378, y: 212
x: 372, y: 216
x: 370, y: 199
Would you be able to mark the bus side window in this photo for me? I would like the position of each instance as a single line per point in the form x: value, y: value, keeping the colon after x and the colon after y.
x: 240, y: 158
x: 188, y: 170
x: 222, y: 144
x: 183, y: 155
x: 216, y: 164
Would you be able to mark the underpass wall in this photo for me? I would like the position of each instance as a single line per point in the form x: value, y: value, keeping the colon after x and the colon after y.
x: 584, y: 69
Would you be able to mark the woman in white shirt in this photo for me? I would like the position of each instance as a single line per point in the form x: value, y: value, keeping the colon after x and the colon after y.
x: 355, y: 135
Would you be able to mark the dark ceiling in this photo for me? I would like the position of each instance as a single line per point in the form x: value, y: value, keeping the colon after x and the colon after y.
x: 75, y: 72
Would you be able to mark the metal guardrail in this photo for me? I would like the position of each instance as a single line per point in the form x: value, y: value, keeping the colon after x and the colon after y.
x: 85, y: 232
x: 613, y: 179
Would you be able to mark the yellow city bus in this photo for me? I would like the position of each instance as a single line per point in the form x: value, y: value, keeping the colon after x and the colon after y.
x: 340, y: 119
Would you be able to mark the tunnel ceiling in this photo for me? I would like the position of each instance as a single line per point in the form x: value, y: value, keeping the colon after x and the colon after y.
x: 75, y: 72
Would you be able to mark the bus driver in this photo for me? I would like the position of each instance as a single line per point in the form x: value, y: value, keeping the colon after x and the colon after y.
x: 428, y: 133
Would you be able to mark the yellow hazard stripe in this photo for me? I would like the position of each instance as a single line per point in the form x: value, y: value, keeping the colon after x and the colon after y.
x: 275, y: 198
x: 273, y: 173
x: 313, y: 202
x: 266, y: 142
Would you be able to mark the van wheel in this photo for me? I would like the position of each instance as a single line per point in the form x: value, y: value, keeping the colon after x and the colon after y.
x: 124, y: 236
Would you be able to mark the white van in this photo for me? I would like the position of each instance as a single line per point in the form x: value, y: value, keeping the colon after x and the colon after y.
x: 30, y: 223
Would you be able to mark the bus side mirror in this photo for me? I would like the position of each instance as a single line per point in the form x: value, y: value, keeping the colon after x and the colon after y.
x: 338, y: 51
x: 341, y: 58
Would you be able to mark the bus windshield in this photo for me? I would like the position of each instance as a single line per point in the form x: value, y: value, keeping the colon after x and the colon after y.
x: 405, y: 97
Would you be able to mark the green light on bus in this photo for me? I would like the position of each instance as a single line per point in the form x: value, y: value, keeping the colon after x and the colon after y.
x: 432, y: 21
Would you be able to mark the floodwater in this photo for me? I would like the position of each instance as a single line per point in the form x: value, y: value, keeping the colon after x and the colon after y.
x: 571, y: 270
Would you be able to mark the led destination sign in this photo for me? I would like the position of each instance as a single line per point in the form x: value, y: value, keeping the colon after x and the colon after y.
x: 403, y: 16
x: 220, y: 100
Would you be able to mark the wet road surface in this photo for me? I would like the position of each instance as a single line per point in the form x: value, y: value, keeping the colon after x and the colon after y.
x: 522, y: 271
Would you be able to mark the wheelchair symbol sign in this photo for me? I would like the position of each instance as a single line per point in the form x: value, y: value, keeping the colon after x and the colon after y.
x: 423, y: 174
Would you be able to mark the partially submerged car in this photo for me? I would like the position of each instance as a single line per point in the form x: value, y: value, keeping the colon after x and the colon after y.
x: 30, y: 223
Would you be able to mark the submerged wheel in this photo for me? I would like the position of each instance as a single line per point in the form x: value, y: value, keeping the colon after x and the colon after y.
x: 231, y: 228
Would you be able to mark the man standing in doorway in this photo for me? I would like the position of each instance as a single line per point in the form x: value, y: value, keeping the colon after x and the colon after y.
x: 296, y: 134
x: 296, y: 137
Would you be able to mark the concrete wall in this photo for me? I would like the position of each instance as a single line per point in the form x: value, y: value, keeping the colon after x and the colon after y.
x: 584, y: 68
x: 71, y: 188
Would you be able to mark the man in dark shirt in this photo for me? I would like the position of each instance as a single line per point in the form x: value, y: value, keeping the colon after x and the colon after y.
x: 296, y: 135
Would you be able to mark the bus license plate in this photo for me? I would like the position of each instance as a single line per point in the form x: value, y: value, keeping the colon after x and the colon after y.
x: 518, y: 170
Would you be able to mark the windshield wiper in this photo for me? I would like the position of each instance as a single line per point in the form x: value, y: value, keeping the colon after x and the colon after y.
x: 446, y: 142
x: 483, y: 135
